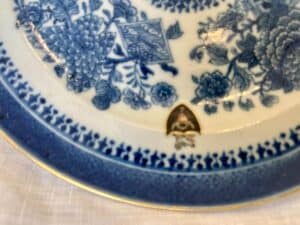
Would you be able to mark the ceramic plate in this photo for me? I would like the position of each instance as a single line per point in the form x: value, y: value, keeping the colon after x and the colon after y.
x: 171, y: 103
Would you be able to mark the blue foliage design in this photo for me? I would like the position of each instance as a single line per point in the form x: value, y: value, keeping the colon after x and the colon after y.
x: 94, y: 46
x: 185, y: 6
x: 260, y: 62
x: 174, y: 31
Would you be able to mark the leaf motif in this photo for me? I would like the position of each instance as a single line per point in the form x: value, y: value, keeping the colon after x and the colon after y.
x: 197, y: 53
x: 130, y: 75
x: 145, y: 85
x: 146, y: 71
x: 107, y: 13
x: 248, y: 57
x: 171, y: 69
x: 130, y: 81
x: 228, y: 105
x: 17, y: 3
x: 246, y: 104
x: 210, y: 109
x: 241, y: 78
x: 196, y: 100
x: 59, y: 70
x: 144, y: 15
x: 248, y: 43
x: 84, y: 7
x: 269, y: 100
x: 48, y: 58
x: 117, y: 76
x: 174, y: 31
x: 95, y: 4
x: 195, y: 79
x: 218, y: 54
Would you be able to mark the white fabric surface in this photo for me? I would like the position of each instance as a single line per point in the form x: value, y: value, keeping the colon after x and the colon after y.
x: 32, y: 196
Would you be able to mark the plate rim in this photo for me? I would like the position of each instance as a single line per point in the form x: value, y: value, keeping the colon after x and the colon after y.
x: 173, y: 206
x: 138, y: 203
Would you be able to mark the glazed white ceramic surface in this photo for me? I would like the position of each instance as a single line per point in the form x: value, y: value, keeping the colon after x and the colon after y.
x: 235, y: 129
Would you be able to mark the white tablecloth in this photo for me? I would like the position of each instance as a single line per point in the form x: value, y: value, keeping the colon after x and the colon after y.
x: 32, y: 196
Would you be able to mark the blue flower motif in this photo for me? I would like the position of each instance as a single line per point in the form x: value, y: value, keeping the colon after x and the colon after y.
x: 106, y: 94
x: 30, y: 14
x: 124, y: 9
x: 134, y: 100
x: 83, y: 47
x: 279, y: 53
x: 163, y: 94
x: 211, y: 86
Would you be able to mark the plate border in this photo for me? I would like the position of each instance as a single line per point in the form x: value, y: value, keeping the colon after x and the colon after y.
x: 215, y: 189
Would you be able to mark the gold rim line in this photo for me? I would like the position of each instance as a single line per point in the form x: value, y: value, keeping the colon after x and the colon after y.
x: 115, y: 197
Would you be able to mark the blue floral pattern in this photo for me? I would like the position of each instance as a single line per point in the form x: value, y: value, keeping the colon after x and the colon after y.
x: 260, y: 63
x: 279, y: 52
x: 211, y: 86
x: 80, y: 39
x: 116, y: 51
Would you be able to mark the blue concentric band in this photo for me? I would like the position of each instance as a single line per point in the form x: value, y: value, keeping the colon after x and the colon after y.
x: 204, y: 189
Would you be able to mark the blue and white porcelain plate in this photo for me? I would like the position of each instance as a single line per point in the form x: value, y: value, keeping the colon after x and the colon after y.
x: 186, y: 103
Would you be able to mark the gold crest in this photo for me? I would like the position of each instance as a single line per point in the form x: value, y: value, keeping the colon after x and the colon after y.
x: 183, y: 125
